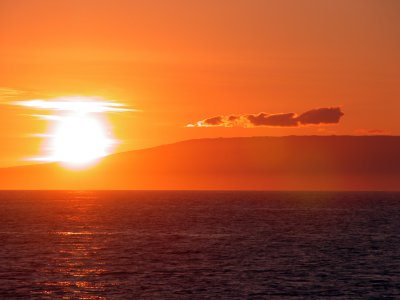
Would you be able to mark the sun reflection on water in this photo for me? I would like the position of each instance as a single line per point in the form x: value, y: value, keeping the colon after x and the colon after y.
x: 77, y: 269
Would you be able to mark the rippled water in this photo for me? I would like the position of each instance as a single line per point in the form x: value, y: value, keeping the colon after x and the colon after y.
x: 199, y: 245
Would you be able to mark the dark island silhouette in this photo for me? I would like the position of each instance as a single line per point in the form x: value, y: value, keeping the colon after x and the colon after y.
x: 246, y: 163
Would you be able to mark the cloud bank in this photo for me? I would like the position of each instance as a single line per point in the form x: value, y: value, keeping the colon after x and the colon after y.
x: 317, y: 116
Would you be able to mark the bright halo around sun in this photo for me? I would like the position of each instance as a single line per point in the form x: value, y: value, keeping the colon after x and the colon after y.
x: 79, y: 134
x: 80, y: 139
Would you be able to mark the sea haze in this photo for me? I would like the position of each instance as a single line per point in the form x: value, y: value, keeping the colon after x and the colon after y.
x: 199, y: 245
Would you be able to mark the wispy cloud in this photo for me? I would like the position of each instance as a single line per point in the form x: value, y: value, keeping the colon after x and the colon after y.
x: 372, y: 131
x: 10, y: 93
x: 75, y: 104
x: 326, y: 115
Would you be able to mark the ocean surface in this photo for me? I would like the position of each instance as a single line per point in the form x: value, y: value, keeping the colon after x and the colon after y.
x: 199, y: 245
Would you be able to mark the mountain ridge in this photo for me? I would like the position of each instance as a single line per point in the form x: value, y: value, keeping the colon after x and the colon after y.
x: 237, y: 163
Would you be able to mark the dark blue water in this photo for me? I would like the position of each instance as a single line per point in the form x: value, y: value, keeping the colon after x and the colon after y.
x: 199, y: 245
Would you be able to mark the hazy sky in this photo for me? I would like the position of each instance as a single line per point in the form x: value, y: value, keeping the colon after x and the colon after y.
x: 179, y: 62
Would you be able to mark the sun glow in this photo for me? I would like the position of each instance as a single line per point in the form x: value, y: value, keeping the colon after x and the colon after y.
x: 79, y: 139
x: 79, y: 134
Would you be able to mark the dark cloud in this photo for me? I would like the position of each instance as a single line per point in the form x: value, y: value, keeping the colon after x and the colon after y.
x: 233, y: 118
x: 329, y: 115
x: 214, y: 121
x: 282, y: 120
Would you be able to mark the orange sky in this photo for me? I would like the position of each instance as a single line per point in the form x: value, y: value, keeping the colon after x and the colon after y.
x: 179, y: 62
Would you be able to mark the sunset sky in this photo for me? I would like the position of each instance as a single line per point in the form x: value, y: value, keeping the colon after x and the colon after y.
x: 170, y: 64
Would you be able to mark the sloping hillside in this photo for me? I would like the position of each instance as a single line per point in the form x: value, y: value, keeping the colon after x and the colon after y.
x: 267, y: 163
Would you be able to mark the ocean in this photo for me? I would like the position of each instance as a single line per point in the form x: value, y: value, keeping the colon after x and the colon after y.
x: 199, y: 245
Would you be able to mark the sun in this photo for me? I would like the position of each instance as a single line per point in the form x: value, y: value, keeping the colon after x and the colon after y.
x: 79, y: 133
x: 79, y: 139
